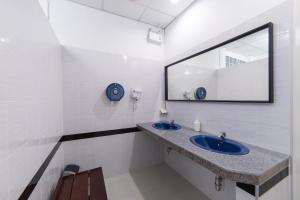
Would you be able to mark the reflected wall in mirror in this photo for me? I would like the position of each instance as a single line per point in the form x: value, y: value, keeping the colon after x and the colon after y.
x: 238, y: 70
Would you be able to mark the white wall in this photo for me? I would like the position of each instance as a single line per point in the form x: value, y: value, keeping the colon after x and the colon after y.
x: 200, y: 177
x: 31, y: 93
x: 117, y: 154
x: 98, y: 49
x: 185, y: 76
x: 296, y: 101
x: 87, y: 73
x: 266, y: 125
x: 251, y: 123
x: 48, y: 182
x: 246, y: 81
x: 207, y: 19
x: 79, y: 26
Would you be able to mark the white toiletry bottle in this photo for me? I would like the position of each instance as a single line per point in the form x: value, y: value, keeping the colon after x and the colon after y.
x: 197, y: 125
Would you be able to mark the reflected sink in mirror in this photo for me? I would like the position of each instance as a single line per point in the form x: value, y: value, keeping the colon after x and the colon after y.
x: 219, y: 145
x: 166, y: 126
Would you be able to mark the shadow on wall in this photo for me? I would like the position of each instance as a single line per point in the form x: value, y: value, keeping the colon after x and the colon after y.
x: 117, y: 154
x: 146, y: 152
x: 152, y: 177
x: 104, y: 108
x: 161, y: 183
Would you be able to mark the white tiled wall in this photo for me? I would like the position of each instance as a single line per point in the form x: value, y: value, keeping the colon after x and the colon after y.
x: 116, y: 154
x: 30, y: 93
x: 208, y: 19
x: 47, y: 184
x: 296, y: 101
x: 266, y: 125
x: 87, y: 73
x: 111, y: 49
x: 200, y: 177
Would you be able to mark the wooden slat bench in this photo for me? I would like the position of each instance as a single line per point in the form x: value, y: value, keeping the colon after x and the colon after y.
x: 87, y: 185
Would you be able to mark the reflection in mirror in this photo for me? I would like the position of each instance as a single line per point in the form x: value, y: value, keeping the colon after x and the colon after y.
x: 236, y: 71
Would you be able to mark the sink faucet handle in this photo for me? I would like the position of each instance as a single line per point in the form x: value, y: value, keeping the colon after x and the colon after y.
x: 223, y: 135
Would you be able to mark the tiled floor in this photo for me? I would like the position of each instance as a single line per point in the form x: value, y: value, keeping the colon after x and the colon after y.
x: 155, y: 183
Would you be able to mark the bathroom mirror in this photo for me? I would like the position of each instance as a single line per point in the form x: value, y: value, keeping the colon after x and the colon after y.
x: 237, y: 70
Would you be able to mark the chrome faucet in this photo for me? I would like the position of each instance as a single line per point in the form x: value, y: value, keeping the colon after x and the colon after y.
x: 223, y: 135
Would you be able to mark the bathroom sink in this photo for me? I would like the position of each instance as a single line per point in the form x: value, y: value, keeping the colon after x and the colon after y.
x: 166, y: 126
x: 219, y: 145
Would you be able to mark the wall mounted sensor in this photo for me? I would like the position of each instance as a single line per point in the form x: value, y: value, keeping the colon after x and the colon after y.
x: 115, y: 92
x: 155, y: 37
x: 136, y: 95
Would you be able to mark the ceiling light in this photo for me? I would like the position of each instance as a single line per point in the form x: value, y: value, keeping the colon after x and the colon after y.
x: 174, y: 1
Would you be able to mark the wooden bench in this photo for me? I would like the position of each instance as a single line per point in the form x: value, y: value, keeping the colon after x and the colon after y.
x: 87, y: 185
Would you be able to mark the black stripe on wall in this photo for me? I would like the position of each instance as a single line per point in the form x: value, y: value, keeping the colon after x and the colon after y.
x: 265, y: 186
x: 81, y: 136
x: 34, y: 181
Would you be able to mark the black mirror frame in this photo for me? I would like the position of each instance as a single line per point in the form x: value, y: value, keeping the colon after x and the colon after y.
x: 268, y: 26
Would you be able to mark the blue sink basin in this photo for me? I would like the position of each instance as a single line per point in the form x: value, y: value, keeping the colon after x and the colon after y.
x: 166, y: 126
x: 219, y: 145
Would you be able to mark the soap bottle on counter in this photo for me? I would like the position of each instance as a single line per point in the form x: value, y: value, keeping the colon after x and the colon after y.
x: 197, y: 125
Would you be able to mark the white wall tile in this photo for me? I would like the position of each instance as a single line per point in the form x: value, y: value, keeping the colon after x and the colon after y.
x: 265, y: 125
x: 31, y: 78
x: 250, y: 123
x: 116, y: 154
x: 31, y: 93
x: 49, y: 179
x: 200, y: 177
x: 208, y: 19
x: 296, y: 101
x: 4, y: 174
x: 87, y: 73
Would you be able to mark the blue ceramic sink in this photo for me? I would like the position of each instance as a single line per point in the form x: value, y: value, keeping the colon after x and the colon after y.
x: 219, y: 145
x: 166, y: 126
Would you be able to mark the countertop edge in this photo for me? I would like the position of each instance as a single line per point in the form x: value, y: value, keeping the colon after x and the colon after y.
x: 219, y: 170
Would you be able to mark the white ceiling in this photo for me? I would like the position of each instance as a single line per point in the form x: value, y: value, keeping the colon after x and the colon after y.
x: 159, y: 13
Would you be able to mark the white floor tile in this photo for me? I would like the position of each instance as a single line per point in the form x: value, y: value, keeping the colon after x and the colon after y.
x: 155, y: 183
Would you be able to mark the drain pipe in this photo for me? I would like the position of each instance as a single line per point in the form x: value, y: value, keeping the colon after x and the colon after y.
x: 218, y: 183
x: 169, y: 149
